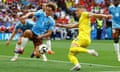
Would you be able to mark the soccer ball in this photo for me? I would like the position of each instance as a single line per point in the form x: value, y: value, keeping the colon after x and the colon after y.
x: 43, y: 48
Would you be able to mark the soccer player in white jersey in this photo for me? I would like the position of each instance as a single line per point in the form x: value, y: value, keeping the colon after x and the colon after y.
x: 114, y: 10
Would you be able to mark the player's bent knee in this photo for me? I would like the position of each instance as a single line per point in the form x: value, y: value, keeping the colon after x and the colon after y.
x: 28, y: 33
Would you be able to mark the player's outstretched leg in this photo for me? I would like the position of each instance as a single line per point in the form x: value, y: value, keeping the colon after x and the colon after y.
x: 48, y: 43
x: 117, y: 50
x: 17, y: 51
x: 73, y: 59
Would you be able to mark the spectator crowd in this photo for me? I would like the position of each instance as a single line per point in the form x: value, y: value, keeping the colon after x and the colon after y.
x: 101, y: 28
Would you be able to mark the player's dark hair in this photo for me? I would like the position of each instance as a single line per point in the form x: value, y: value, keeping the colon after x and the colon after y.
x: 52, y: 6
x: 116, y: 2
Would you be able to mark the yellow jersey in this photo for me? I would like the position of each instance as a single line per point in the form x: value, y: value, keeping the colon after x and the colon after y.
x: 84, y: 29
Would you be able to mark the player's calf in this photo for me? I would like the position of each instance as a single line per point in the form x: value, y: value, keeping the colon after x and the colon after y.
x: 37, y: 54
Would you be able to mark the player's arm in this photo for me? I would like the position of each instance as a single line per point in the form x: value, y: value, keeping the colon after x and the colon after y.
x: 36, y: 14
x: 13, y: 33
x: 68, y: 25
x: 49, y: 32
x: 27, y: 15
x: 11, y: 37
x: 99, y: 15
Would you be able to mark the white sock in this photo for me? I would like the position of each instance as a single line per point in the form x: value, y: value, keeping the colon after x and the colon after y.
x: 116, y: 46
x: 24, y: 42
x: 44, y: 57
x: 16, y: 54
x: 48, y: 42
x: 18, y: 46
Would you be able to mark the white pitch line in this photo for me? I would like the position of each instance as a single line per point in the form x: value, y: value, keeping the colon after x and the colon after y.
x: 64, y: 62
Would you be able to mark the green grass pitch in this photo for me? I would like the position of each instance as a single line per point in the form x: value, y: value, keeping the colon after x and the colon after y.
x: 58, y: 62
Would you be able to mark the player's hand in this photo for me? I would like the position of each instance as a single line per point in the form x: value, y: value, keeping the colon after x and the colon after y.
x: 40, y: 37
x: 7, y: 43
x: 108, y: 16
x: 59, y: 25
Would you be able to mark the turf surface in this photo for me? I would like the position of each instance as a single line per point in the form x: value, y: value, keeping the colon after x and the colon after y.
x: 58, y: 62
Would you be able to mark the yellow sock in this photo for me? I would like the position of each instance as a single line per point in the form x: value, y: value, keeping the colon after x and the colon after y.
x: 72, y: 57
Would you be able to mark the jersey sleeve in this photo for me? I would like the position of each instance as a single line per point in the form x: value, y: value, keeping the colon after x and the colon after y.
x: 51, y: 26
x: 109, y: 10
x: 30, y: 22
x: 17, y: 26
x: 38, y: 13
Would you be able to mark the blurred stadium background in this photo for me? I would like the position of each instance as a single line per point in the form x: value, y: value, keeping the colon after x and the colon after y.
x: 101, y: 28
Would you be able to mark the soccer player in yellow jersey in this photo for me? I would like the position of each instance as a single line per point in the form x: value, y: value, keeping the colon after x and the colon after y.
x: 83, y: 40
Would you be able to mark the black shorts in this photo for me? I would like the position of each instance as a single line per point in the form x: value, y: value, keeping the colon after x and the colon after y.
x: 115, y: 33
x: 35, y: 40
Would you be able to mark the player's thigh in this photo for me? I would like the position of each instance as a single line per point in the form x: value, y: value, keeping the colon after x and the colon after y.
x: 28, y: 33
x: 81, y: 42
x: 36, y: 42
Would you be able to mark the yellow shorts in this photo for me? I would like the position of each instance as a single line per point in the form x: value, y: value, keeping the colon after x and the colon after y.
x: 82, y: 42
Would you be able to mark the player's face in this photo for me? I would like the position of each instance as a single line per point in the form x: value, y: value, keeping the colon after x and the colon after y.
x: 49, y: 11
x: 78, y: 12
x: 22, y: 21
